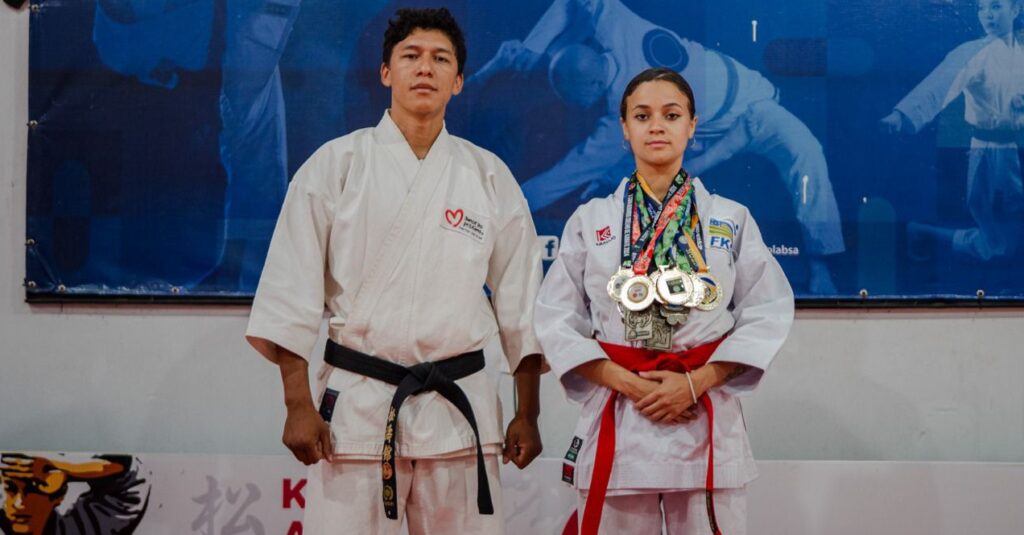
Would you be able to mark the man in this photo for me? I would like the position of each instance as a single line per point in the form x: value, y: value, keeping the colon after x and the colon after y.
x: 399, y: 229
x: 33, y: 488
x: 738, y: 109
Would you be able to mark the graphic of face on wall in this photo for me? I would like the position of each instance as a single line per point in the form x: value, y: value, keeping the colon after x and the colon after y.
x: 60, y: 494
x: 878, y: 144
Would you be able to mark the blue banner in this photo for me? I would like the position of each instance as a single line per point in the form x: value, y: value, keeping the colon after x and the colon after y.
x: 878, y: 144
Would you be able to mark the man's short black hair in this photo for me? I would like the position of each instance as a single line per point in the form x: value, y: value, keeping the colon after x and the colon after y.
x: 406, y: 20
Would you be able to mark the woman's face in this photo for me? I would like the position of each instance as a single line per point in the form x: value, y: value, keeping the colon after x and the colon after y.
x: 658, y: 124
x: 997, y: 16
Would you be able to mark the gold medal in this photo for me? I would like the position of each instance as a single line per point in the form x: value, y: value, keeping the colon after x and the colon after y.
x: 712, y: 294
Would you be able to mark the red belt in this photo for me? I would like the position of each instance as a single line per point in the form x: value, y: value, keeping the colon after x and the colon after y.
x: 640, y: 360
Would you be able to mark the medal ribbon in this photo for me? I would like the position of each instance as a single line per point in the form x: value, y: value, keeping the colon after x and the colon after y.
x: 645, y: 240
x: 695, y: 252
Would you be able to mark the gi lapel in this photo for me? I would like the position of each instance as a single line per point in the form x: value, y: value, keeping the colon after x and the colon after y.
x: 431, y: 172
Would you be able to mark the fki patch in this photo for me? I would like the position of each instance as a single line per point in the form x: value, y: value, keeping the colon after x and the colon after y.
x: 721, y: 233
x: 464, y: 222
x: 603, y: 235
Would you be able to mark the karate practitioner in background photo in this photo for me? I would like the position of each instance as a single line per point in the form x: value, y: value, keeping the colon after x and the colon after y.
x: 153, y: 39
x: 662, y: 309
x: 398, y: 229
x: 740, y: 113
x: 989, y: 72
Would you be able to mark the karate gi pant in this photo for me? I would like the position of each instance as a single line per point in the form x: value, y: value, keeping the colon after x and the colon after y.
x: 995, y: 198
x: 435, y: 497
x: 683, y: 512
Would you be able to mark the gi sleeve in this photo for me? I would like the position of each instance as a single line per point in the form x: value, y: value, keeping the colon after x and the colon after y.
x: 929, y: 97
x: 762, y: 309
x: 114, y: 504
x: 562, y: 314
x: 289, y: 302
x: 513, y: 275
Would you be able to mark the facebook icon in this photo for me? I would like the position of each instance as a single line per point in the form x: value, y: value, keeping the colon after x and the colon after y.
x: 549, y: 246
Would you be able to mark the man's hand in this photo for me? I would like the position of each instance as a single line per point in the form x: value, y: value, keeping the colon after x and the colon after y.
x: 307, y: 435
x: 51, y: 475
x: 522, y: 442
x: 671, y: 400
x: 39, y: 469
x: 895, y: 123
x: 522, y: 438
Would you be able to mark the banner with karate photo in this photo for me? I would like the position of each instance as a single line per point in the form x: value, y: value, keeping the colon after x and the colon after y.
x: 878, y: 144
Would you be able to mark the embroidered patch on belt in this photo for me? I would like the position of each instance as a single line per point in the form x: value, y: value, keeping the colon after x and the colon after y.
x: 574, y: 449
x: 721, y: 233
x: 568, y: 473
x: 327, y: 404
x: 464, y: 222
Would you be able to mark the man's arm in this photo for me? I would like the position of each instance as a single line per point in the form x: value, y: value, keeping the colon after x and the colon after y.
x: 522, y: 439
x: 306, y: 434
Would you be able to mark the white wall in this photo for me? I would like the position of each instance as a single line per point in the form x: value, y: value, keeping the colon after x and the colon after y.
x: 869, y: 385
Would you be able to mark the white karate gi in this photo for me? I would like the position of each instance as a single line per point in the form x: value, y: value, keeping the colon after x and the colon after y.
x: 399, y: 251
x: 988, y: 72
x: 573, y: 308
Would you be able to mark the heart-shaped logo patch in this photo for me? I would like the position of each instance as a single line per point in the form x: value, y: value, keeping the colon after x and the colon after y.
x: 453, y: 217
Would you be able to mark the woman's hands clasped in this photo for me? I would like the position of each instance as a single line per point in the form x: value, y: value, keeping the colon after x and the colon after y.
x: 670, y: 401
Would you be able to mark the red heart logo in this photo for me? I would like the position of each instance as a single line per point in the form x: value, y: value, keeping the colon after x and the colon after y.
x: 454, y: 218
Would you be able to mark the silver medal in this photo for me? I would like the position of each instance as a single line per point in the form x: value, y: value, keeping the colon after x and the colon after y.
x: 639, y: 325
x: 637, y: 293
x: 654, y: 282
x: 675, y: 287
x: 615, y: 283
x: 675, y: 315
x: 661, y: 334
x: 697, y: 295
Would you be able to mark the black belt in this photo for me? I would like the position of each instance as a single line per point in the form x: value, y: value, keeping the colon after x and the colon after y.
x: 437, y: 377
x: 1003, y: 135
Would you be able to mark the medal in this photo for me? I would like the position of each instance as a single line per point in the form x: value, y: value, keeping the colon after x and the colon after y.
x: 639, y: 325
x: 637, y: 293
x: 675, y: 287
x: 661, y: 334
x: 697, y: 296
x: 615, y: 283
x: 675, y: 315
x: 713, y: 292
x: 654, y: 284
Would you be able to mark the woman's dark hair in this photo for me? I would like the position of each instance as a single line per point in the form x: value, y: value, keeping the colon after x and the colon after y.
x: 407, y: 20
x: 655, y: 75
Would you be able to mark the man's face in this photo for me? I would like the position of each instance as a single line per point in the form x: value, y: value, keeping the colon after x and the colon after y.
x: 422, y: 73
x: 25, y: 506
x: 996, y: 16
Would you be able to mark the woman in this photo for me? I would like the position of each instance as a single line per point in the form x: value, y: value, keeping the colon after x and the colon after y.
x: 987, y: 71
x: 655, y: 320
